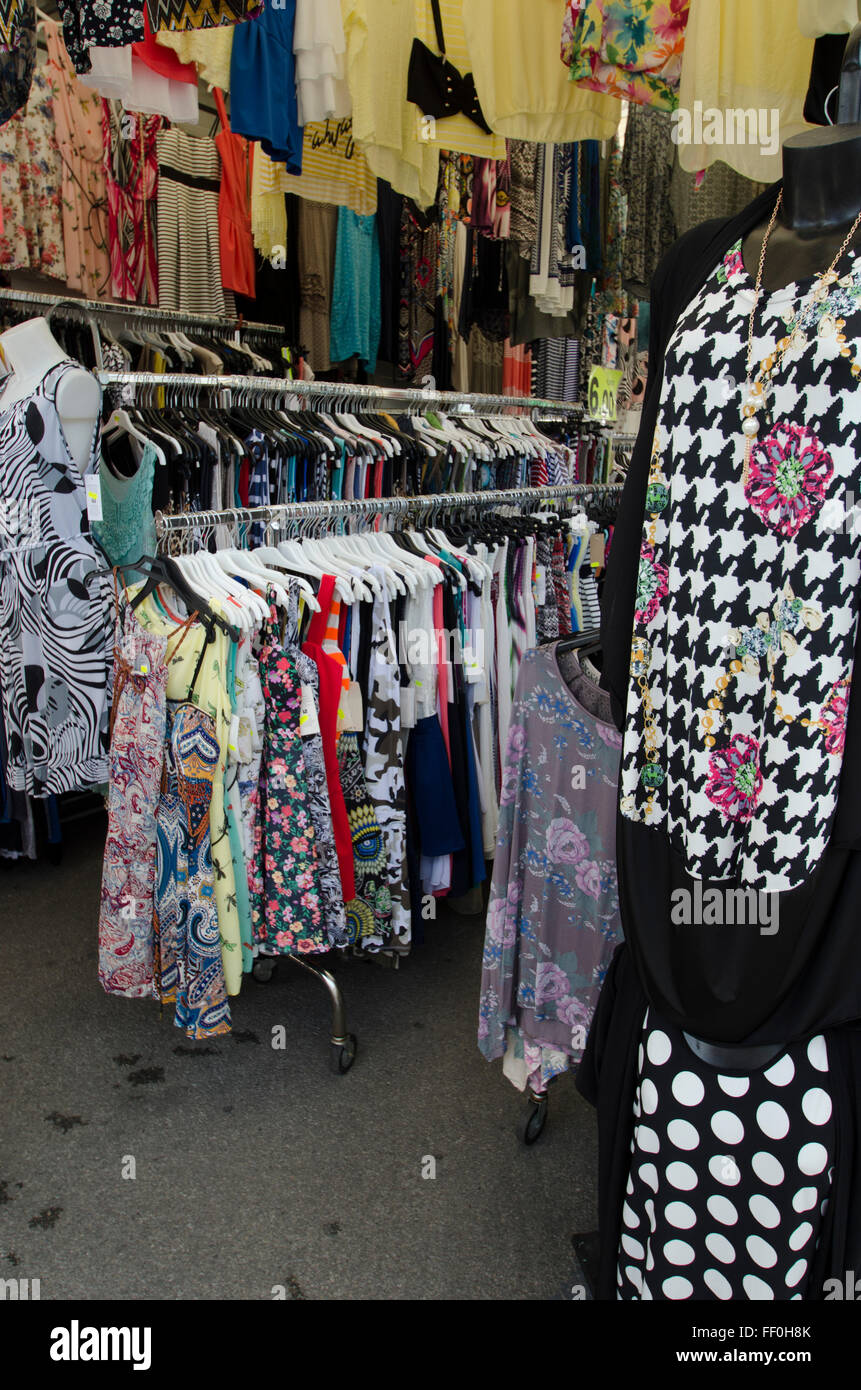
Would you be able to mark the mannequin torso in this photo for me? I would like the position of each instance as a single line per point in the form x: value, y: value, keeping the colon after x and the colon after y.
x: 31, y: 351
x: 821, y: 199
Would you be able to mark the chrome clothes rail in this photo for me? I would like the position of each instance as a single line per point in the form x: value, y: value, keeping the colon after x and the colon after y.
x: 335, y: 390
x: 167, y: 524
x: 138, y: 312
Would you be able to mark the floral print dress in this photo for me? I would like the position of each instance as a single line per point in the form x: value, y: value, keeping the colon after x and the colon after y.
x: 747, y: 598
x: 31, y: 186
x: 630, y: 49
x: 553, y: 915
x: 286, y: 907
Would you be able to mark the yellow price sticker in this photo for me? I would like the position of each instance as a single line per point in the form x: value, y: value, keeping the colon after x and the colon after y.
x: 602, y: 393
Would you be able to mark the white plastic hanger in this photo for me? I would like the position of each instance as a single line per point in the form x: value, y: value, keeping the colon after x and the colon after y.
x: 298, y: 559
x: 235, y: 561
x: 264, y: 555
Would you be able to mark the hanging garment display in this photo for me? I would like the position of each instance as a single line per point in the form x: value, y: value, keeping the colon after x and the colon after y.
x: 31, y: 182
x: 645, y: 179
x: 78, y: 118
x: 56, y: 655
x: 446, y: 92
x: 131, y: 175
x: 355, y: 323
x: 17, y: 62
x: 524, y: 89
x: 209, y: 49
x: 318, y: 230
x: 188, y: 226
x: 263, y: 85
x: 234, y: 208
x: 631, y: 53
x: 334, y: 169
x: 319, y: 47
x: 379, y: 38
x: 198, y: 14
x: 553, y: 914
x: 726, y: 69
x: 109, y: 24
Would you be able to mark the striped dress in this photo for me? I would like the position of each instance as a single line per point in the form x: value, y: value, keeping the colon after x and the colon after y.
x: 55, y: 619
x: 189, y: 252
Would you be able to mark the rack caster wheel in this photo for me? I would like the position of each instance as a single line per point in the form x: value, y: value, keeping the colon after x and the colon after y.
x: 263, y: 969
x: 536, y: 1122
x: 342, y: 1055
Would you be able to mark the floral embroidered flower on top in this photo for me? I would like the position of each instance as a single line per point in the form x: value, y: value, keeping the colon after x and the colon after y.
x: 735, y: 780
x: 833, y: 718
x: 788, y: 479
x: 652, y: 585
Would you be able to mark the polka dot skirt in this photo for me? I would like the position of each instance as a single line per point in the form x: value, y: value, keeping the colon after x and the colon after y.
x: 730, y: 1174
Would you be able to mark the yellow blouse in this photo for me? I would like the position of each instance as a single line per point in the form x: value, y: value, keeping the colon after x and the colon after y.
x: 729, y: 66
x: 521, y: 81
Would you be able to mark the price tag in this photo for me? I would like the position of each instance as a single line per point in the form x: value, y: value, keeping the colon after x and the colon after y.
x: 233, y: 735
x: 596, y: 550
x: 93, y: 487
x: 540, y: 585
x: 603, y: 390
x: 309, y: 722
x: 354, y: 715
x: 408, y: 707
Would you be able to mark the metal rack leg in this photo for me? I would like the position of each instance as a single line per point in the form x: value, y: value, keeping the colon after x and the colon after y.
x: 537, y: 1116
x: 342, y: 1045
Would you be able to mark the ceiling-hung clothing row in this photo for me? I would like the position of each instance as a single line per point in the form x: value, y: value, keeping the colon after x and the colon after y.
x: 500, y: 229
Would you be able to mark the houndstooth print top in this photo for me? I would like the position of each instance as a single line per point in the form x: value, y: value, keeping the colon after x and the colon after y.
x: 747, y: 596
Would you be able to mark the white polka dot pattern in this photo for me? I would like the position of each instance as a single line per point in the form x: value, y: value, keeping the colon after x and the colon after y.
x: 729, y: 1176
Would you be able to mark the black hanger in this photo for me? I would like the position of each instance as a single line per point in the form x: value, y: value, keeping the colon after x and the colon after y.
x: 164, y: 570
x: 584, y: 643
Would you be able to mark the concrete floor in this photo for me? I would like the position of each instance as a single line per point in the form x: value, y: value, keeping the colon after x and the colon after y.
x: 258, y: 1168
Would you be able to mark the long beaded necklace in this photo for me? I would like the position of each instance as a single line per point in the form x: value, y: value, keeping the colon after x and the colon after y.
x: 756, y: 388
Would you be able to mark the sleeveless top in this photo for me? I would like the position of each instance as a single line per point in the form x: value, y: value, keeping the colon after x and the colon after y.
x: 55, y: 603
x: 747, y: 597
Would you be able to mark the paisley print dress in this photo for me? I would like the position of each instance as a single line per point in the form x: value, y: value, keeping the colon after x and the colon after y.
x: 136, y: 759
x: 188, y: 964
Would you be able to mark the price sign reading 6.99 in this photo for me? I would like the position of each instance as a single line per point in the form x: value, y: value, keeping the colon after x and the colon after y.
x: 603, y: 389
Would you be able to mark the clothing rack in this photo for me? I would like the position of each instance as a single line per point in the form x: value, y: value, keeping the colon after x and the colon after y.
x: 138, y: 313
x: 430, y: 502
x: 453, y: 401
x: 342, y: 1043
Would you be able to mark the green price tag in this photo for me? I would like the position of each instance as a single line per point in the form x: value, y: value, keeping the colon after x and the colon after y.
x: 603, y: 389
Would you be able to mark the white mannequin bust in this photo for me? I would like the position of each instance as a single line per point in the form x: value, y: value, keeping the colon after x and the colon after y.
x: 32, y: 350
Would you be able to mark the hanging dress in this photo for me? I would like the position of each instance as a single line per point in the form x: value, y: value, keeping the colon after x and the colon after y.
x: 319, y: 805
x: 188, y: 963
x: 286, y: 908
x: 329, y: 672
x: 189, y: 248
x: 369, y: 913
x: 138, y: 718
x: 234, y: 208
x: 78, y: 116
x: 55, y: 606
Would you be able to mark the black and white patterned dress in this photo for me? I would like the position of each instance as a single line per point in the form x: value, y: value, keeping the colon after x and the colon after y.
x: 747, y: 597
x: 56, y: 631
x: 730, y: 1174
x: 102, y: 23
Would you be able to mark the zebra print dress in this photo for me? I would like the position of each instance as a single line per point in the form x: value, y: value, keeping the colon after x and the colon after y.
x: 55, y: 609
